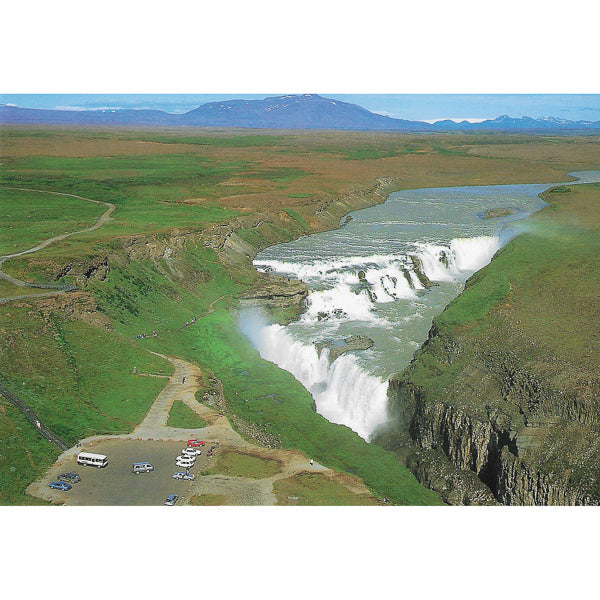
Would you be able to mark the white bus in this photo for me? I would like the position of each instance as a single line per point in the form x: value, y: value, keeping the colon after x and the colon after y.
x: 91, y: 459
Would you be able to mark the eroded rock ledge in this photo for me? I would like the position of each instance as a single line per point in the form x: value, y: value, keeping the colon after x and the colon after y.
x: 352, y: 343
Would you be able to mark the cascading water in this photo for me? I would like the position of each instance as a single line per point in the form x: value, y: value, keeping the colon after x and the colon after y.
x: 338, y: 388
x: 385, y: 276
x: 343, y: 389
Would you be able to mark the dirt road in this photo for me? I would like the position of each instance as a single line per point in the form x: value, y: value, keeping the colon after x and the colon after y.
x: 104, y: 217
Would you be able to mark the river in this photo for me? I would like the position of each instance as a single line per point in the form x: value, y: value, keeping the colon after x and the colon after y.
x: 384, y: 275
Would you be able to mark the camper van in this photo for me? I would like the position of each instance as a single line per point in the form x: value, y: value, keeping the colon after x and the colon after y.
x: 142, y: 467
x: 91, y: 459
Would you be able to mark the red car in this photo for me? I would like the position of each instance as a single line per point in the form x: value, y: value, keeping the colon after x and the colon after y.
x: 194, y: 443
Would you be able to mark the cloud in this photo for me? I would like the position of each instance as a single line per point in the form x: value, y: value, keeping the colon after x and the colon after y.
x: 458, y: 119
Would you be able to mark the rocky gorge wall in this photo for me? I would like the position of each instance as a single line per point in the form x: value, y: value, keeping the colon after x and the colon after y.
x: 469, y: 407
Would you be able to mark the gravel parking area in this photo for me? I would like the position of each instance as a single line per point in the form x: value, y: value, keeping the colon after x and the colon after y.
x: 116, y: 485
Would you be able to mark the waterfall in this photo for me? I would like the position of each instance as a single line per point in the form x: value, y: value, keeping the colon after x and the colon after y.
x: 349, y: 289
x: 343, y: 391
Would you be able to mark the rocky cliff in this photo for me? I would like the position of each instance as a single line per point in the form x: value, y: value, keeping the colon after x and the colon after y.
x: 526, y: 442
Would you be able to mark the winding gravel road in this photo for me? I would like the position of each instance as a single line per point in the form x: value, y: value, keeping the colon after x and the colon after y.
x: 104, y: 217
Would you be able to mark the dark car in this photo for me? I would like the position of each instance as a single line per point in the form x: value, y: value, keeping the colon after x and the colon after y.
x: 60, y: 485
x: 69, y: 477
x: 171, y: 499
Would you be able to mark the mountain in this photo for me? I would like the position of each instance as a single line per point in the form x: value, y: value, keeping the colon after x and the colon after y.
x: 519, y: 124
x: 304, y: 111
x: 31, y: 116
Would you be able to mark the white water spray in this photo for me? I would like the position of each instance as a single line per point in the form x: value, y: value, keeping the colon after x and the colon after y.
x: 354, y: 285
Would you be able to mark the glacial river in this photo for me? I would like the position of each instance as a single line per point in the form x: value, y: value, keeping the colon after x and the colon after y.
x: 372, y: 278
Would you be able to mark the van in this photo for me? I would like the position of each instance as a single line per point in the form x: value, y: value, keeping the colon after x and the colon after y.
x: 92, y: 460
x: 142, y: 467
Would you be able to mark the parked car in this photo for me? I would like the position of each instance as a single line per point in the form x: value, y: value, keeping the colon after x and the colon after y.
x: 184, y: 475
x: 69, y: 477
x: 186, y: 457
x: 60, y: 485
x: 185, y: 461
x: 142, y: 467
x: 171, y: 499
x: 195, y: 443
x: 191, y: 452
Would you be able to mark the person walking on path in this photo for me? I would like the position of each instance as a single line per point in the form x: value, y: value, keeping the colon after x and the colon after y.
x: 183, y: 380
x: 311, y: 462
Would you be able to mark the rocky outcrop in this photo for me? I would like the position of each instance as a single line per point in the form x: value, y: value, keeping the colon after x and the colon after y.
x: 419, y: 271
x: 495, y: 213
x: 276, y: 293
x: 352, y: 343
x: 517, y: 483
x: 458, y: 487
x: 95, y: 268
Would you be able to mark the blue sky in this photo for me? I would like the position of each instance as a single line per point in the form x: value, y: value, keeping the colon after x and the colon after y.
x: 406, y: 106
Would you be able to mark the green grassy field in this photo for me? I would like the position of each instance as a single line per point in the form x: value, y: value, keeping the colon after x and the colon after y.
x: 564, y: 234
x: 77, y: 377
x: 547, y: 279
x: 313, y: 489
x: 30, y: 218
x: 23, y: 455
x: 236, y: 464
x: 208, y: 500
x: 182, y: 416
x: 147, y: 190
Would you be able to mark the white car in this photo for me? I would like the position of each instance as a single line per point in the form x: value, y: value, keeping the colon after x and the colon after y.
x: 191, y: 452
x: 185, y: 461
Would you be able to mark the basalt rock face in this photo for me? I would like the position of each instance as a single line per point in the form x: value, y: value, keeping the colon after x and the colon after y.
x: 492, y: 413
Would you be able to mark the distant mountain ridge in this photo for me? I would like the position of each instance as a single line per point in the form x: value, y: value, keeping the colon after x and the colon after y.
x: 295, y: 111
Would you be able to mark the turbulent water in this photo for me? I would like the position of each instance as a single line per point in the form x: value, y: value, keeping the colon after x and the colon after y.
x: 384, y: 275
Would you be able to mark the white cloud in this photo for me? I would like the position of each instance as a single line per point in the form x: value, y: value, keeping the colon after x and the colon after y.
x: 458, y: 119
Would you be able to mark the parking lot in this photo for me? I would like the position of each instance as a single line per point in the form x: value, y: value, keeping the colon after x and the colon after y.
x: 116, y: 485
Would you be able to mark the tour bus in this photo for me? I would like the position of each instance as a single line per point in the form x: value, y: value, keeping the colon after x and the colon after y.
x: 91, y: 459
